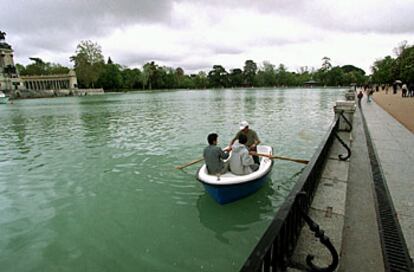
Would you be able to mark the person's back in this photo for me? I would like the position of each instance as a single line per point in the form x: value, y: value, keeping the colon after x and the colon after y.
x: 214, y: 156
x: 241, y: 163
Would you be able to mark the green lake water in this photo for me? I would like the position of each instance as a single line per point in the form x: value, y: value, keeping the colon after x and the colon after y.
x: 89, y: 183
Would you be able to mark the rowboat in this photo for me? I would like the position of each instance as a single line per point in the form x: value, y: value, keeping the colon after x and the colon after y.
x: 228, y: 187
x: 3, y: 98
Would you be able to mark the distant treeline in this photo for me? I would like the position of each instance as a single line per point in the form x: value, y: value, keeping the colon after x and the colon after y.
x: 389, y: 69
x: 93, y: 72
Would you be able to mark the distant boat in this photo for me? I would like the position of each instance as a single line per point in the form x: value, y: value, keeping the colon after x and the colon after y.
x: 229, y: 187
x: 3, y: 98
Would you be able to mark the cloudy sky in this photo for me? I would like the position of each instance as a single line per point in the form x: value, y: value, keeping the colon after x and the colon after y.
x: 195, y: 34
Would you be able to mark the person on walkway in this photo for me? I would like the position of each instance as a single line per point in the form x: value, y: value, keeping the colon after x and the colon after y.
x: 411, y: 89
x: 360, y: 96
x: 370, y: 93
x: 214, y: 156
x: 404, y: 90
x: 252, y: 138
x: 241, y: 162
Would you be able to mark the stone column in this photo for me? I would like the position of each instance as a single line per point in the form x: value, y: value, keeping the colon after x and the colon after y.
x: 348, y: 109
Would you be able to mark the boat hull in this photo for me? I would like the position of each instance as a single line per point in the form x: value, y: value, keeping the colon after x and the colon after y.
x: 4, y: 100
x: 229, y: 193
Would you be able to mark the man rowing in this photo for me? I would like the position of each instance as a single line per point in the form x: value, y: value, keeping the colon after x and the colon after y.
x: 252, y: 138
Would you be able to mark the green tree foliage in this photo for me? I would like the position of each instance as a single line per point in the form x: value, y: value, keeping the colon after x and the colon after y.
x: 284, y: 77
x: 200, y: 80
x: 39, y: 67
x: 236, y: 77
x: 110, y: 77
x: 266, y: 76
x: 218, y: 77
x: 388, y: 69
x: 88, y: 62
x: 249, y: 72
x: 20, y: 68
x: 382, y: 70
x: 406, y: 62
x: 148, y: 75
x: 303, y: 75
x: 131, y: 79
x: 351, y: 68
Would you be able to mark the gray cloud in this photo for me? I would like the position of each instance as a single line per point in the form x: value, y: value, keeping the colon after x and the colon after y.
x: 227, y: 50
x: 140, y: 58
x: 389, y: 17
x: 54, y: 25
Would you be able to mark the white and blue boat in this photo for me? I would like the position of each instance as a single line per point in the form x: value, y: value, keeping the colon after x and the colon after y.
x: 228, y: 187
x: 3, y: 98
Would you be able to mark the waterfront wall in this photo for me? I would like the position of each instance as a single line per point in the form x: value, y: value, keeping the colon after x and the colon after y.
x: 22, y: 94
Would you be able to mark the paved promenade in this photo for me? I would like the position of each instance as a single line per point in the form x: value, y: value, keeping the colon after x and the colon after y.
x: 361, y: 245
x: 394, y: 145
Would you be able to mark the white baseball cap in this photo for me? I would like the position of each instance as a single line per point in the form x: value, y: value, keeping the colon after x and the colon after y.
x: 243, y: 125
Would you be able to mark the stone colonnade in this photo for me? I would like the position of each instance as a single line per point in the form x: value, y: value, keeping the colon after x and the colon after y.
x: 47, y: 84
x: 51, y: 82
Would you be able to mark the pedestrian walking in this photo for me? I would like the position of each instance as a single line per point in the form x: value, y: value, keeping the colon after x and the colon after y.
x: 360, y: 95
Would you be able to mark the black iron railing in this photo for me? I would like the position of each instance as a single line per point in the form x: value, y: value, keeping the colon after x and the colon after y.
x: 275, y: 248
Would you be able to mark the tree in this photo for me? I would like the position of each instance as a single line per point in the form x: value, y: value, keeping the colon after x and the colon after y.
x: 179, y: 78
x: 334, y: 77
x: 131, y: 78
x: 249, y: 72
x: 111, y: 77
x: 406, y: 62
x: 268, y: 74
x: 283, y: 77
x: 148, y: 75
x: 236, y: 77
x: 89, y: 63
x: 200, y: 80
x: 218, y: 77
x: 39, y: 67
x: 20, y: 68
x: 351, y: 68
x: 382, y: 70
x: 326, y: 64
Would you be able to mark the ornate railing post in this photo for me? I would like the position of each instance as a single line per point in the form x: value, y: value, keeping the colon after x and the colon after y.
x: 341, y: 156
x: 319, y: 233
x: 345, y: 109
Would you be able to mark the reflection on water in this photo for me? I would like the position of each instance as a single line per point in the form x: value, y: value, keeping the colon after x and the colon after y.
x: 89, y: 183
x: 224, y: 219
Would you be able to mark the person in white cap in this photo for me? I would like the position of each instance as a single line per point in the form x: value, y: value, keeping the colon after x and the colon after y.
x: 252, y: 138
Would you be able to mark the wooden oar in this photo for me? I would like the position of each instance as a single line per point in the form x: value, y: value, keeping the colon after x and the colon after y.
x: 188, y: 164
x: 283, y: 158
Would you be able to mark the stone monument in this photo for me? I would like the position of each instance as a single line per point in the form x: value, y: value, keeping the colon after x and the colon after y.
x: 9, y: 78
